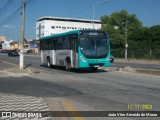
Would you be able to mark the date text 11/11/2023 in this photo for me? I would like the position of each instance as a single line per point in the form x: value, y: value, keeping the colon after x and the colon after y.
x: 140, y: 106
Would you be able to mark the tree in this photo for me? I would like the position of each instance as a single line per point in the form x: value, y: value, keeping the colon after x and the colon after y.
x: 120, y: 19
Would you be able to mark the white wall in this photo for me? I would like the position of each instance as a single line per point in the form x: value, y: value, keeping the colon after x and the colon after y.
x: 6, y: 45
x: 46, y: 27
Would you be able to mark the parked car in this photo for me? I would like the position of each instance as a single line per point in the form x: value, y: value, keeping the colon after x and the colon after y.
x: 112, y: 58
x: 13, y: 53
x: 4, y: 51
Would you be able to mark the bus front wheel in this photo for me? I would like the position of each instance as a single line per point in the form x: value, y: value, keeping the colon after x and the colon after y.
x: 94, y: 69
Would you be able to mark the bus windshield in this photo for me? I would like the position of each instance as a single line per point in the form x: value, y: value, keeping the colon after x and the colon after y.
x: 94, y: 46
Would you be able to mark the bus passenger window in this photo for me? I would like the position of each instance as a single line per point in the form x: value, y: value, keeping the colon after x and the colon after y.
x: 66, y: 43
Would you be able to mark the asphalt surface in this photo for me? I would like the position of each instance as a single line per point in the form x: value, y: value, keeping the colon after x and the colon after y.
x: 15, y: 95
x: 106, y: 91
x: 84, y: 90
x: 35, y: 61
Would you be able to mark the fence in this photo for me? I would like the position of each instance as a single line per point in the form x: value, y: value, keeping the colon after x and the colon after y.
x: 137, y: 54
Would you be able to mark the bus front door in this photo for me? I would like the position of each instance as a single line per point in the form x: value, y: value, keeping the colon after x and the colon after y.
x: 73, y: 51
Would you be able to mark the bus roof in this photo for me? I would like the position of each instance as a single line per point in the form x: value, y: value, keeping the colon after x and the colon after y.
x: 60, y: 34
x: 66, y: 33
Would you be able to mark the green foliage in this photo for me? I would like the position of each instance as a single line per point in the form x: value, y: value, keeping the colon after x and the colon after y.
x: 147, y: 39
x: 143, y: 42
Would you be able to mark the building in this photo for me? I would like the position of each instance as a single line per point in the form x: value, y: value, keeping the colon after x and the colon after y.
x: 52, y: 25
x: 6, y: 45
x: 34, y: 46
x: 2, y: 40
x: 14, y: 45
x: 26, y: 45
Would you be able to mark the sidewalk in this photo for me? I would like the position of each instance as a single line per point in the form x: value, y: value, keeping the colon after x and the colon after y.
x: 16, y: 95
x: 8, y: 69
x: 133, y: 70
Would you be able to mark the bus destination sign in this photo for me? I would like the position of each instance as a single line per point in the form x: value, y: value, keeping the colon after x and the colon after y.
x: 93, y: 33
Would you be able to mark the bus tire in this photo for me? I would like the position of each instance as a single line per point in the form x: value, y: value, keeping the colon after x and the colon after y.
x: 68, y: 64
x: 48, y: 62
x: 68, y: 67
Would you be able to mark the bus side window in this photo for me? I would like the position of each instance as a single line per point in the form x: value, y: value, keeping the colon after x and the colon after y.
x: 49, y: 44
x: 59, y: 43
x: 44, y: 45
x: 66, y: 43
x: 73, y: 39
x: 71, y: 43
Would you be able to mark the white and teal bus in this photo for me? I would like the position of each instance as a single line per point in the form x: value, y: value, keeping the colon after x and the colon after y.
x: 76, y: 49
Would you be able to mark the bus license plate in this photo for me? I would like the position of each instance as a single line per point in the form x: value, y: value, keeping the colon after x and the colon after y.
x: 96, y: 65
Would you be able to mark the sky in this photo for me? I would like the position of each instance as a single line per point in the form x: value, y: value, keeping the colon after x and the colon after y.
x: 147, y: 12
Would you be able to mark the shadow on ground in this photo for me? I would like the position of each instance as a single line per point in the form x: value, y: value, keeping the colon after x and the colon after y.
x: 75, y: 70
x: 34, y: 87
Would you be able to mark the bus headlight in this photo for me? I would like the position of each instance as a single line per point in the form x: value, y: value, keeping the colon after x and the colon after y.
x: 83, y: 59
x: 107, y: 59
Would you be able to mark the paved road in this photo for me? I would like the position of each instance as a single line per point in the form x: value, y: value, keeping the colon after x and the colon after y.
x: 109, y: 91
x: 85, y: 90
x: 34, y: 61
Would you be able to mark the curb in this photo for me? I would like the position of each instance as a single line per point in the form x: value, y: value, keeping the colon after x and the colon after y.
x: 147, y: 71
x: 30, y: 70
x: 140, y: 71
x: 17, y: 72
x: 8, y: 63
x: 133, y: 70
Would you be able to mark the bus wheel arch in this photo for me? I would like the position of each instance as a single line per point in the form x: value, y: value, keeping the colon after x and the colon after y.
x: 68, y: 63
x: 48, y: 62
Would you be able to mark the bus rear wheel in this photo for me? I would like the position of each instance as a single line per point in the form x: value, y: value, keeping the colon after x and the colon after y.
x: 68, y: 67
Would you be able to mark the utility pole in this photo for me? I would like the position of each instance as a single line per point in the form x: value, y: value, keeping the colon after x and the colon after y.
x: 126, y: 41
x: 126, y: 35
x: 21, y: 61
x: 93, y: 15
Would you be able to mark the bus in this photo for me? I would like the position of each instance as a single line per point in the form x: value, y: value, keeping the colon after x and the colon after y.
x: 76, y: 49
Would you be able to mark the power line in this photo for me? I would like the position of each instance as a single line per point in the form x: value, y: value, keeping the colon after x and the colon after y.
x: 29, y: 2
x: 5, y: 6
x: 80, y: 11
x: 89, y: 3
x: 11, y: 17
x: 15, y: 14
